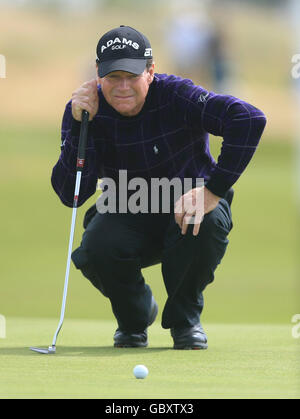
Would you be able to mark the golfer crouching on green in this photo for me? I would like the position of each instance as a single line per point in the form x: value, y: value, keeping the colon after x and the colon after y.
x: 153, y: 126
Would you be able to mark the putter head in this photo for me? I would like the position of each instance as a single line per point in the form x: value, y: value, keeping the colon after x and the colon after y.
x: 50, y: 350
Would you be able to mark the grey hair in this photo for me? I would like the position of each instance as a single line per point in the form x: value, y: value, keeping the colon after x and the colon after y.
x: 149, y: 63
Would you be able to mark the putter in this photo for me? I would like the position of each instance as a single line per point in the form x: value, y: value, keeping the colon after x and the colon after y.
x: 80, y: 164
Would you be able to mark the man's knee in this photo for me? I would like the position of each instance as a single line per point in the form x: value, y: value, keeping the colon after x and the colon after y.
x: 213, y: 235
x: 84, y: 261
x: 108, y: 268
x: 217, y: 221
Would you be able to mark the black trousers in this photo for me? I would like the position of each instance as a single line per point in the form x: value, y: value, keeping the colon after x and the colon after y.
x: 115, y: 247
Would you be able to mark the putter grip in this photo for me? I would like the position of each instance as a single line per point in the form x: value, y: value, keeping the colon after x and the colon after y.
x: 82, y: 139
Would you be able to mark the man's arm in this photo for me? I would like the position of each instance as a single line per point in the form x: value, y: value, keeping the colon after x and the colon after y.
x: 64, y: 172
x: 240, y: 124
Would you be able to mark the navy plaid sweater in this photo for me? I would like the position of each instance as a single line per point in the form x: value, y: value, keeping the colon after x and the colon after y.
x: 169, y: 138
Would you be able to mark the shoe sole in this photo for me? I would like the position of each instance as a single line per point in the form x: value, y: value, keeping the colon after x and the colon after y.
x: 130, y: 345
x: 190, y: 347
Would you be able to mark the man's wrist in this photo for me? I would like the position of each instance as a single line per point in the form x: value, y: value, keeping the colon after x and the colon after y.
x: 216, y: 197
x: 218, y: 185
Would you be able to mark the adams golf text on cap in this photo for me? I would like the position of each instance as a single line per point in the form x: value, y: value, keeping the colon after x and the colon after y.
x: 123, y: 49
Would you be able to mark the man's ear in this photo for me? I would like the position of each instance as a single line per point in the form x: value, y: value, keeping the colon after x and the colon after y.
x: 151, y: 73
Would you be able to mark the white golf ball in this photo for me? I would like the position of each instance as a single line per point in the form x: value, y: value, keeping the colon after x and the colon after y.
x: 140, y: 371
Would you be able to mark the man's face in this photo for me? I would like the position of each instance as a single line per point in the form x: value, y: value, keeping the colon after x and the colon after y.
x: 126, y: 92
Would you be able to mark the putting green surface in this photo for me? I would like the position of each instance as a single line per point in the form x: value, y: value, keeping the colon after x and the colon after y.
x: 243, y: 361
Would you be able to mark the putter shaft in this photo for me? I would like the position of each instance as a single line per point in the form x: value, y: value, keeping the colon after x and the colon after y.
x: 80, y: 165
x: 74, y: 213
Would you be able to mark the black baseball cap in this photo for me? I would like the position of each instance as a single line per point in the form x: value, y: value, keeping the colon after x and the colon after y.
x: 123, y: 49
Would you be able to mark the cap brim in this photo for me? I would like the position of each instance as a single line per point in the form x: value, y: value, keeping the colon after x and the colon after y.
x: 134, y: 66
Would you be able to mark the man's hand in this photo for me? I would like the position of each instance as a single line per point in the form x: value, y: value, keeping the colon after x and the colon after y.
x: 85, y: 98
x: 195, y: 203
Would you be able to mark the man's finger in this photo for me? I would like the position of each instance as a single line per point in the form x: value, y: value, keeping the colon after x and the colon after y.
x: 81, y: 91
x: 179, y: 218
x: 185, y: 222
x: 196, y: 229
x: 91, y: 83
x: 86, y: 106
x: 197, y: 223
x: 179, y: 212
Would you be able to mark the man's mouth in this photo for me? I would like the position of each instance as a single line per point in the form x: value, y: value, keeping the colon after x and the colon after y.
x: 123, y: 97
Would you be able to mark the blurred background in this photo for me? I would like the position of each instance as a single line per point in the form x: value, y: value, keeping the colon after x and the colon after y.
x: 237, y: 47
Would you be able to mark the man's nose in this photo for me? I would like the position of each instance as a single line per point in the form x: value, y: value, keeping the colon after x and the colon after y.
x: 124, y: 83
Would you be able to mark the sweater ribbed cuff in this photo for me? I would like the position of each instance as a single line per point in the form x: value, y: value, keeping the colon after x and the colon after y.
x: 218, y: 185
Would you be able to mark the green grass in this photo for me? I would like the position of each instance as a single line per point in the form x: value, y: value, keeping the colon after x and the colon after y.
x: 247, y: 313
x: 243, y: 361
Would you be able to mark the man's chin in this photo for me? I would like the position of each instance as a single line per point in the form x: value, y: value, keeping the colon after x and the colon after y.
x: 126, y: 110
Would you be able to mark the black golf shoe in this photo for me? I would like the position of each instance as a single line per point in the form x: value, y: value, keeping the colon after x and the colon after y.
x: 123, y: 339
x: 189, y: 337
